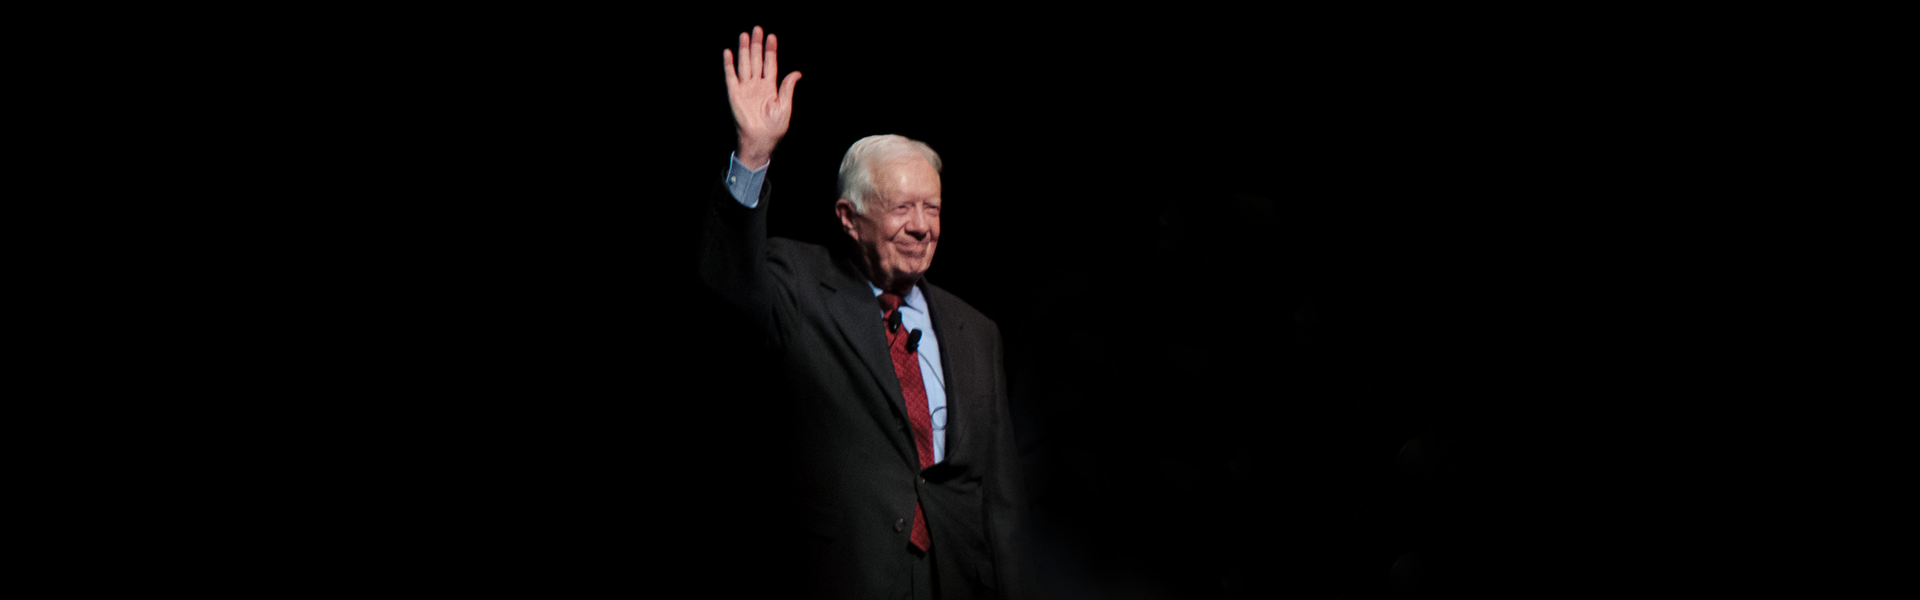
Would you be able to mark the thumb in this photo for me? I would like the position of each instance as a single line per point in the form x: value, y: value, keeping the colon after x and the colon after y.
x: 786, y: 86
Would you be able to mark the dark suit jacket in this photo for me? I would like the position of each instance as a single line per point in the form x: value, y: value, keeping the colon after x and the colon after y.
x: 848, y: 475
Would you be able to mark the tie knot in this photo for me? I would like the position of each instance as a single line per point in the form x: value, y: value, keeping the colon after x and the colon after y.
x: 889, y: 301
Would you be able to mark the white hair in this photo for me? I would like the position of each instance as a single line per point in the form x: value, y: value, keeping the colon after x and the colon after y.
x: 856, y: 170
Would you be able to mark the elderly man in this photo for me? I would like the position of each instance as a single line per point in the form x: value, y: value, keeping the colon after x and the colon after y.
x: 890, y: 397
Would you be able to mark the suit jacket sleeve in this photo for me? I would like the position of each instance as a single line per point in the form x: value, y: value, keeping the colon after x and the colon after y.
x: 734, y: 260
x: 1006, y: 501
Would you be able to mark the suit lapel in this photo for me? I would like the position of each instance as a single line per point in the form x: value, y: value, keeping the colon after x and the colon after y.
x: 857, y: 315
x: 958, y: 371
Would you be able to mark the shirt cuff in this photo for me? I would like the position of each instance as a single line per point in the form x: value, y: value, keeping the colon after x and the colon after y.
x: 745, y: 182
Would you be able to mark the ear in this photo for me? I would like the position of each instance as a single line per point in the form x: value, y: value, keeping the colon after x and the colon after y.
x: 844, y: 209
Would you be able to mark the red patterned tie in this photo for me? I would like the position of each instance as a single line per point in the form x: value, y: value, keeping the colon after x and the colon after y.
x: 915, y: 392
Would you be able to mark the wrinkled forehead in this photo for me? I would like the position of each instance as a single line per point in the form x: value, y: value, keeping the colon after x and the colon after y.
x: 907, y: 177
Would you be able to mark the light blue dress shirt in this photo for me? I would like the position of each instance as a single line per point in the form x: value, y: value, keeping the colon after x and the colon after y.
x: 744, y: 183
x: 913, y: 315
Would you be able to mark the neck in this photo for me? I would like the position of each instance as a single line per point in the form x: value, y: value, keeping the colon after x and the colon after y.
x: 898, y: 285
x: 868, y: 263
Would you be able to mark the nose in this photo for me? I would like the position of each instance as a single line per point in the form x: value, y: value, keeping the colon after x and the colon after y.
x: 917, y: 224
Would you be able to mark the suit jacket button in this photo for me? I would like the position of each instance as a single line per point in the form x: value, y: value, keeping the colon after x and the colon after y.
x: 899, y: 524
x: 923, y: 480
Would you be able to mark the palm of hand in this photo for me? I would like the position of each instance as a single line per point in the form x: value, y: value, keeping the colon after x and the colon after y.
x: 761, y: 110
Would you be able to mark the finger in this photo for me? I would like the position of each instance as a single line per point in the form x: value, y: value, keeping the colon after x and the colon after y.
x: 772, y: 56
x: 786, y: 89
x: 733, y: 78
x: 742, y: 56
x: 753, y: 55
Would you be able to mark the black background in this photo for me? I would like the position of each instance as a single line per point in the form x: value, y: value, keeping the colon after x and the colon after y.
x: 1274, y: 287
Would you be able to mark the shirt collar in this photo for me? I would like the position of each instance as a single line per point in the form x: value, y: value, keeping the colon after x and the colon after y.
x: 914, y: 299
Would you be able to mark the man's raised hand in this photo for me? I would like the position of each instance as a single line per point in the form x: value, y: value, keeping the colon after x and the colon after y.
x: 760, y: 110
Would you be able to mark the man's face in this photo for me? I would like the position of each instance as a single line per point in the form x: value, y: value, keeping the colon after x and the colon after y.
x: 901, y: 225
